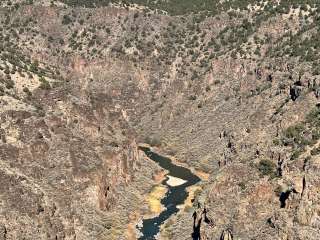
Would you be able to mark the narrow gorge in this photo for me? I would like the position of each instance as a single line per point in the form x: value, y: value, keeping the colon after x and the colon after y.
x: 177, y: 180
x: 223, y: 95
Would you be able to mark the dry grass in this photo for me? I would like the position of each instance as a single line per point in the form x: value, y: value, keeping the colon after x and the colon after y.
x: 188, y: 202
x: 154, y: 198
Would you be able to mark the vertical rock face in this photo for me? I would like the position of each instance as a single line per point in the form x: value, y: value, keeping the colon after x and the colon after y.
x: 229, y: 92
x: 295, y: 92
x: 226, y: 235
x: 108, y: 181
x: 57, y: 170
x: 66, y: 166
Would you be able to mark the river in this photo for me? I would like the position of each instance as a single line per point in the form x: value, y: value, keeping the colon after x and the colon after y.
x: 176, y: 195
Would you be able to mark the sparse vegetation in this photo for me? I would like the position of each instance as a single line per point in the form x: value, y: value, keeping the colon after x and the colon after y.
x: 267, y: 167
x: 66, y: 20
x: 315, y: 151
x: 185, y: 77
x: 27, y: 91
x: 302, y: 134
x: 44, y: 83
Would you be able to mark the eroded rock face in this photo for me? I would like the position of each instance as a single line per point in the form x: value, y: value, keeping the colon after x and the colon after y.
x: 90, y: 84
x: 295, y: 92
x: 64, y: 174
x: 226, y: 235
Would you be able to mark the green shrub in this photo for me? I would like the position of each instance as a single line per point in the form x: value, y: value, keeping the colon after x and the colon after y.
x: 315, y: 151
x: 34, y: 67
x: 242, y: 185
x: 9, y: 83
x: 66, y: 20
x: 294, y: 131
x: 267, y: 167
x: 276, y: 142
x: 315, y: 135
x: 296, y: 153
x: 1, y: 91
x: 314, y: 117
x: 27, y: 91
x: 44, y: 83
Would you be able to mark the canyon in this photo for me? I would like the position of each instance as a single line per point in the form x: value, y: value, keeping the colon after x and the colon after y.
x: 225, y: 94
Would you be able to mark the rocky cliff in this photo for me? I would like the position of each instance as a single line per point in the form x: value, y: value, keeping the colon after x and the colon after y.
x: 228, y: 88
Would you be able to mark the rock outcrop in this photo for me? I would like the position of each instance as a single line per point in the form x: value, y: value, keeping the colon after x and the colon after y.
x: 230, y: 90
